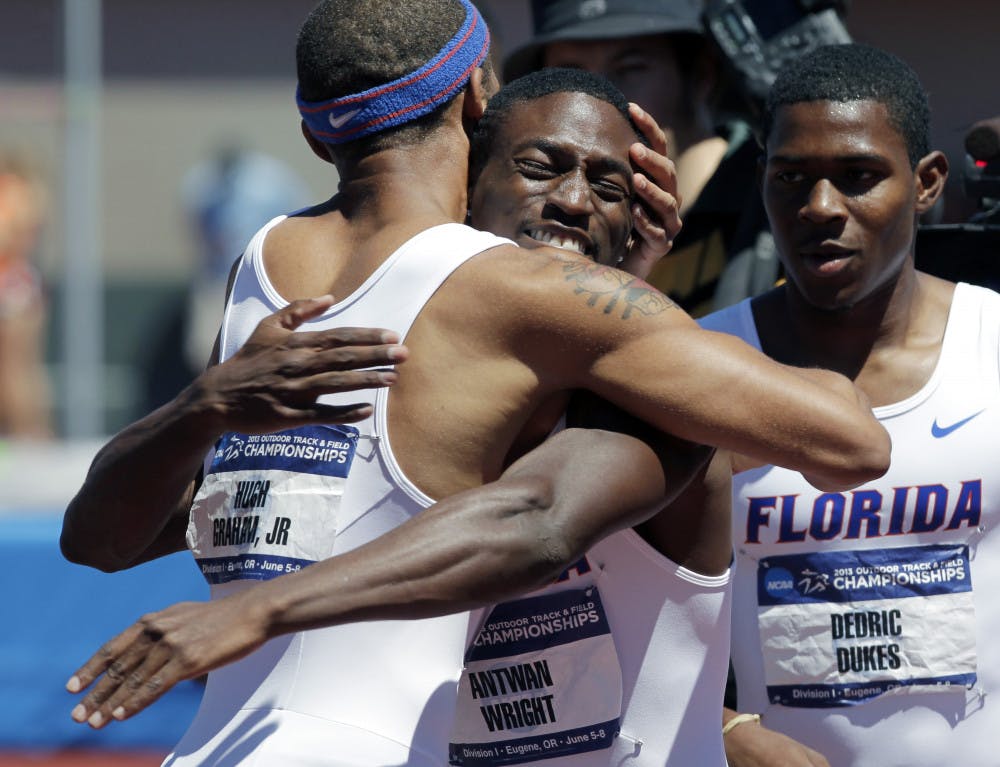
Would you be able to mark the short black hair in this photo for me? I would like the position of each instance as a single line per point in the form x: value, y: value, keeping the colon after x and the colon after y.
x: 350, y: 46
x: 854, y: 72
x: 536, y: 85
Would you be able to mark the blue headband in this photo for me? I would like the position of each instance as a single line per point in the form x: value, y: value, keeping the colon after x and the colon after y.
x: 338, y: 121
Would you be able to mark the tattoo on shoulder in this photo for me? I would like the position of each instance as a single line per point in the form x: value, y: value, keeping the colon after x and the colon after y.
x: 609, y: 289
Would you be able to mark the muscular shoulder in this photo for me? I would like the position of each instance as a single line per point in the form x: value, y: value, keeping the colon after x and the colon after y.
x: 550, y: 288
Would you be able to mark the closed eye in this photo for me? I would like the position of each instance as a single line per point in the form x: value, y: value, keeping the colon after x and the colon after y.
x: 534, y: 169
x: 610, y: 191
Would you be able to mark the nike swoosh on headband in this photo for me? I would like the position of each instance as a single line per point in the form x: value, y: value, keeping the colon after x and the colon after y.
x: 943, y: 431
x: 339, y: 121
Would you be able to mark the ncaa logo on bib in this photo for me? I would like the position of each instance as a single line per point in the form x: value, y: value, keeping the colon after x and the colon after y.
x: 779, y: 582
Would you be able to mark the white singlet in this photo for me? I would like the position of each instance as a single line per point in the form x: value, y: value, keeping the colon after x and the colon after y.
x: 622, y: 661
x: 359, y: 695
x: 865, y: 623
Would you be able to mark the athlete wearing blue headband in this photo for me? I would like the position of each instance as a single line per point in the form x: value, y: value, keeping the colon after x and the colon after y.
x: 403, y: 100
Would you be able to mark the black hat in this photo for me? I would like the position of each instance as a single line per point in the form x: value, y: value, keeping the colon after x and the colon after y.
x: 599, y: 20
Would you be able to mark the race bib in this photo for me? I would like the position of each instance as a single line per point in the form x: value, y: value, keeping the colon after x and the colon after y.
x: 541, y: 680
x: 268, y: 504
x: 838, y: 628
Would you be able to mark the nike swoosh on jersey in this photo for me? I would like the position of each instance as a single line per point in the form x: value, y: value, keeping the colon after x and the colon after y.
x: 943, y: 431
x: 338, y: 121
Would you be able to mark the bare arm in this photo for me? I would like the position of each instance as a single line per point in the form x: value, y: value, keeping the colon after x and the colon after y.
x: 809, y: 420
x: 134, y: 502
x: 546, y: 510
x: 626, y: 342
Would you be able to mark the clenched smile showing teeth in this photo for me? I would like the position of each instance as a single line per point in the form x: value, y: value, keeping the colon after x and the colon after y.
x: 565, y: 241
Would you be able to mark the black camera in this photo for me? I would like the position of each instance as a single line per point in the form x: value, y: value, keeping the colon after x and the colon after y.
x: 757, y: 37
x: 970, y: 251
x: 981, y: 176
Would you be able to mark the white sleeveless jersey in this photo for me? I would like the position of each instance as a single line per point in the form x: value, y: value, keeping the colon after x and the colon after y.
x: 373, y: 693
x: 865, y: 623
x: 622, y: 661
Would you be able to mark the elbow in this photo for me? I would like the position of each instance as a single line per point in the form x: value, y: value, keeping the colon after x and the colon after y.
x: 79, y: 556
x: 868, y: 461
x: 874, y: 456
x: 76, y: 552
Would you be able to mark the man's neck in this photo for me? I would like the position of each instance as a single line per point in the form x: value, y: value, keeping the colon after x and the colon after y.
x: 888, y: 342
x: 406, y: 184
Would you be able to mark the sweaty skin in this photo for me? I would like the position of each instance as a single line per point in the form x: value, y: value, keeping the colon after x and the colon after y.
x: 510, y: 329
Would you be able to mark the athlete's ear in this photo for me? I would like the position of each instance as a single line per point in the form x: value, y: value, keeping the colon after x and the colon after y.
x: 482, y: 85
x: 321, y: 150
x: 931, y: 173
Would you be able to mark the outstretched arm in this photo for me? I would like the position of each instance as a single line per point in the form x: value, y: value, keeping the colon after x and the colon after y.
x: 134, y: 502
x: 603, y: 330
x: 728, y: 394
x: 545, y: 511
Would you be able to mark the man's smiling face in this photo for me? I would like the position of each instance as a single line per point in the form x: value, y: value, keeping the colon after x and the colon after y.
x: 559, y: 174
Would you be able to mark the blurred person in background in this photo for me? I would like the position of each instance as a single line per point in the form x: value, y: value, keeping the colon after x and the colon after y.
x: 655, y: 51
x: 225, y: 197
x: 25, y: 408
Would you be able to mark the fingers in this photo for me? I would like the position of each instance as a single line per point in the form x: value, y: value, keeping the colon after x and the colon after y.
x: 102, y: 659
x: 656, y: 214
x: 349, y: 348
x: 120, y: 660
x: 273, y: 381
x: 661, y: 195
x: 300, y: 311
x: 140, y: 688
x: 303, y: 375
x: 658, y: 168
x: 650, y: 128
x: 660, y: 216
x: 656, y: 222
x: 336, y: 338
x: 308, y: 352
x: 342, y: 381
x: 310, y: 378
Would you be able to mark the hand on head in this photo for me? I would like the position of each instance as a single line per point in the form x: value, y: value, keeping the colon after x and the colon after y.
x: 655, y: 216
